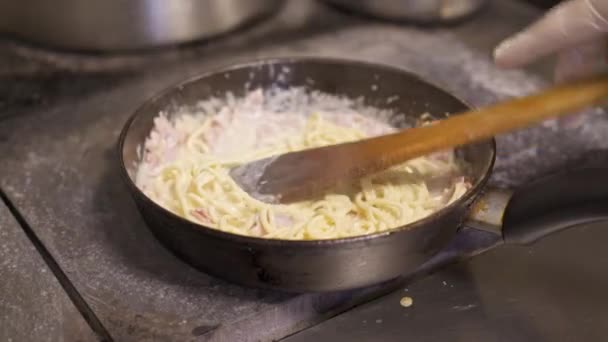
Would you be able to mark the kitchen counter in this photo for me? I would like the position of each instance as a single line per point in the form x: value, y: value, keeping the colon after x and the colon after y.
x: 60, y: 115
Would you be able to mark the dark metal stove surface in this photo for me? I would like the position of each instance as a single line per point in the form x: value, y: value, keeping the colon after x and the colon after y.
x: 552, y: 291
x: 60, y: 115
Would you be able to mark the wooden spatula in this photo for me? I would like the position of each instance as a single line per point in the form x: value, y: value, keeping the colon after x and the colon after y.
x: 300, y: 175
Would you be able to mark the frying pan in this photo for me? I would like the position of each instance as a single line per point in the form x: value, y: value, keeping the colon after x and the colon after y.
x: 348, y: 263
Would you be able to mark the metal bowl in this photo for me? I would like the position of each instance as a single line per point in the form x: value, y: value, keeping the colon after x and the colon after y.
x: 419, y: 11
x: 125, y: 25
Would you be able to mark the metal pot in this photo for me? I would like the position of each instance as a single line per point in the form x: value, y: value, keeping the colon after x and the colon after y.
x: 125, y: 25
x: 419, y: 11
x: 347, y: 263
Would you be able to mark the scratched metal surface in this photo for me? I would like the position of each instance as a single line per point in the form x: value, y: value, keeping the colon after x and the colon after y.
x: 552, y: 291
x: 33, y: 305
x: 62, y: 117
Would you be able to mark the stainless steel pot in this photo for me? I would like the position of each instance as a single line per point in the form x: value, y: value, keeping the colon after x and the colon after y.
x: 420, y: 11
x: 125, y: 24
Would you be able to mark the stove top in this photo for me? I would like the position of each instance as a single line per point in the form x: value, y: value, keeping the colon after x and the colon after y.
x: 60, y: 120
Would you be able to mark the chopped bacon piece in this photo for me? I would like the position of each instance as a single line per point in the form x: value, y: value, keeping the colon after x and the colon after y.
x: 202, y: 216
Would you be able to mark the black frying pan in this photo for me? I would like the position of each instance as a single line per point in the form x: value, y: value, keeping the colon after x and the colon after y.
x: 348, y: 263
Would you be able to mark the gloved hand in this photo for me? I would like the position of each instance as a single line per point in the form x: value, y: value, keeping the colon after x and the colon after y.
x: 576, y: 29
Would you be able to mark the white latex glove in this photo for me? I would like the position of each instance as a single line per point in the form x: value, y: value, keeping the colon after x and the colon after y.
x: 576, y: 29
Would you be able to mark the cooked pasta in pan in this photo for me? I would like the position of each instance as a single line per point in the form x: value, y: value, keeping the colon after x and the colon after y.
x: 187, y: 158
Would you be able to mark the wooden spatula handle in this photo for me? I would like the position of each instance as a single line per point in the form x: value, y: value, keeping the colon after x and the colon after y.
x: 299, y: 174
x: 479, y: 125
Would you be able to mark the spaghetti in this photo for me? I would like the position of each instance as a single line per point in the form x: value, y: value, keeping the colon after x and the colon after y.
x: 186, y: 162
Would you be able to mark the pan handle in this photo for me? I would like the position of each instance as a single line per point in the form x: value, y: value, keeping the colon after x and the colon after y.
x: 545, y: 206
